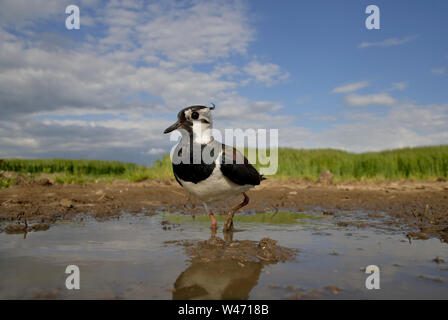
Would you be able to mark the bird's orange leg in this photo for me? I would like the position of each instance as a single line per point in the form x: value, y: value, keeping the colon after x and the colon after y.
x: 228, y: 225
x: 213, y: 233
x: 212, y: 216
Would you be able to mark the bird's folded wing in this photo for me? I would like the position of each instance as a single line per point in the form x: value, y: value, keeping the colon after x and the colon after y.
x: 237, y: 168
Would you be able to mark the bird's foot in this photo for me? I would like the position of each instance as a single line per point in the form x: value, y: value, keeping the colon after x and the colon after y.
x: 213, y: 233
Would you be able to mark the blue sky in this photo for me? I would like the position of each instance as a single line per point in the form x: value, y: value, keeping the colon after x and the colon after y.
x: 308, y: 68
x: 317, y: 42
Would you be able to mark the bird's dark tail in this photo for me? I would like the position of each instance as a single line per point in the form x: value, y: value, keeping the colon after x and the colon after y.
x: 262, y: 177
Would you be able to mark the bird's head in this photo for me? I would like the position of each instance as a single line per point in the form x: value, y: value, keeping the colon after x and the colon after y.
x: 193, y: 118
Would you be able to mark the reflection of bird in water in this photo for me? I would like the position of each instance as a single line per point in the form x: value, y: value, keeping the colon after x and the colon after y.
x: 226, y: 269
x: 218, y: 279
x: 226, y: 279
x: 210, y: 170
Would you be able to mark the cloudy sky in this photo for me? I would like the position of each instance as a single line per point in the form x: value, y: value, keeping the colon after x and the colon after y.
x: 308, y: 68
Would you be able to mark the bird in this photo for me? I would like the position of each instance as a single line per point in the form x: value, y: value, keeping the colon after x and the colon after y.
x: 207, y: 169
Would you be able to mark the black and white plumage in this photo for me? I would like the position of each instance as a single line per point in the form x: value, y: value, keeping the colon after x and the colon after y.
x: 216, y: 171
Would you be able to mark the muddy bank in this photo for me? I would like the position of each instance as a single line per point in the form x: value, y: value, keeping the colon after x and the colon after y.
x: 420, y: 207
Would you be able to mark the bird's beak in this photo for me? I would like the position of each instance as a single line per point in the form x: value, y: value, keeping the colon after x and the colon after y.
x: 172, y: 127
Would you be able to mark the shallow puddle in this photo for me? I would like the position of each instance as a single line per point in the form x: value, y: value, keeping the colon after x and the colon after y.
x: 162, y: 257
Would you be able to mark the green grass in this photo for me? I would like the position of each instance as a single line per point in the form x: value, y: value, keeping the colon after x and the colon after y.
x: 82, y: 171
x: 6, y: 182
x: 408, y: 163
x: 420, y: 163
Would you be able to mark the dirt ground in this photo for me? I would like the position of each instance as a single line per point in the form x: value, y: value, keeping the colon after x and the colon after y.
x: 421, y: 207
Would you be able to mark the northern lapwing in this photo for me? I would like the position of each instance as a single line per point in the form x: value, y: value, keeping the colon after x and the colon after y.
x: 206, y: 168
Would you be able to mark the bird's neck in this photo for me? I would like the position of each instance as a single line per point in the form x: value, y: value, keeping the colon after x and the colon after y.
x: 202, y: 132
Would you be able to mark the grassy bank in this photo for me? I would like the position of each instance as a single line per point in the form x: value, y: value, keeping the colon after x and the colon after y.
x: 410, y: 163
x: 82, y: 171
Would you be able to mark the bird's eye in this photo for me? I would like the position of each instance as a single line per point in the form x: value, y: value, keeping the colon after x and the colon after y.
x: 195, y: 115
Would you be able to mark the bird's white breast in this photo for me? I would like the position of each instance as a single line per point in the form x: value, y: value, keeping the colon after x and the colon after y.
x: 216, y: 187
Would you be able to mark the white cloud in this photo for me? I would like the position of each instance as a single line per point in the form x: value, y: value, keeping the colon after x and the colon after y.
x: 268, y: 74
x: 350, y: 87
x: 388, y: 42
x: 24, y: 13
x: 83, y: 100
x: 22, y: 142
x: 407, y: 125
x: 198, y: 33
x: 399, y: 86
x: 356, y: 100
x: 326, y: 118
x: 303, y: 99
x: 438, y: 71
x: 156, y: 151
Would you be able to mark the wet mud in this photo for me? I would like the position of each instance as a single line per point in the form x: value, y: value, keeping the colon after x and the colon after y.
x: 421, y: 208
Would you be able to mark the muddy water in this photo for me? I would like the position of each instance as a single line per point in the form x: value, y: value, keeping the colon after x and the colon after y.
x: 153, y: 257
